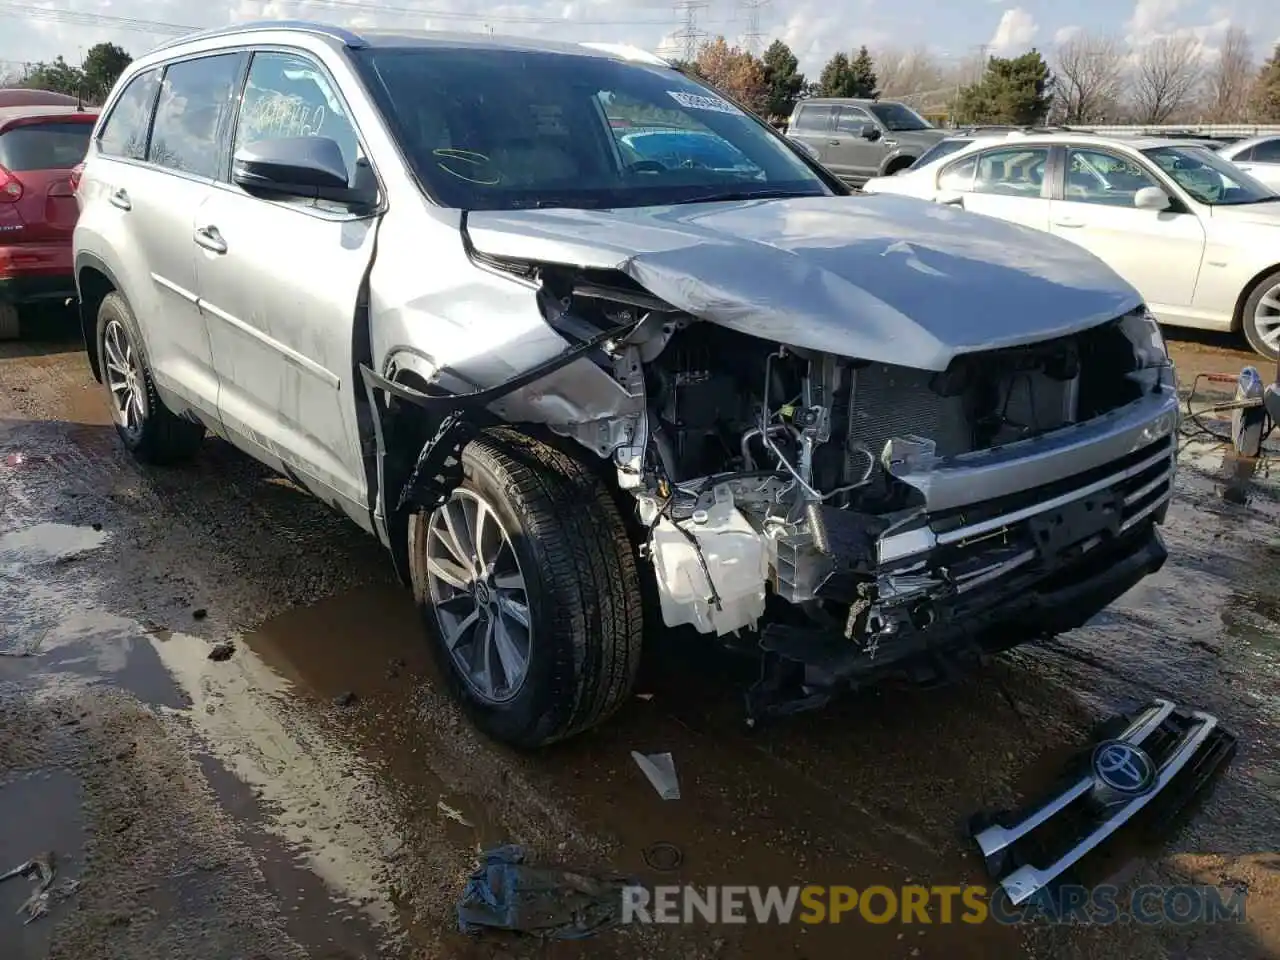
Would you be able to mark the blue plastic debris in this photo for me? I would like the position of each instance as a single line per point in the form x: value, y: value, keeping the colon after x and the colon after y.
x: 507, y: 894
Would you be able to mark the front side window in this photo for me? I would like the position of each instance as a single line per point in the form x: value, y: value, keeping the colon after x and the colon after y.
x: 195, y: 101
x: 288, y: 96
x: 1017, y: 172
x: 493, y: 129
x: 1104, y: 178
x: 958, y: 178
x: 852, y: 120
x: 1208, y: 177
x: 124, y: 134
x: 48, y: 145
x: 898, y: 116
x: 815, y: 118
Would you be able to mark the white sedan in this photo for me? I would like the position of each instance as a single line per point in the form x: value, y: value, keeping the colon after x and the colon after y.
x: 1259, y: 157
x: 1198, y: 237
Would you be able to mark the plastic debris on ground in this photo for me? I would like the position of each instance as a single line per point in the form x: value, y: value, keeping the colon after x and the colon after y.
x: 505, y: 893
x: 36, y: 905
x: 660, y: 768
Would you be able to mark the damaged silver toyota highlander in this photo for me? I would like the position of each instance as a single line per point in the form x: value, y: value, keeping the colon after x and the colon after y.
x: 590, y: 348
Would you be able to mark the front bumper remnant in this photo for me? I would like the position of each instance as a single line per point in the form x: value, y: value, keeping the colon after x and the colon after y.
x: 1156, y: 764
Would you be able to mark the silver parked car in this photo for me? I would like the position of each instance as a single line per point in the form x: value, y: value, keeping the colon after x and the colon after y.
x: 570, y: 390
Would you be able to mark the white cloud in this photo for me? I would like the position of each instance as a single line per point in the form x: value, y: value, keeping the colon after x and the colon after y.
x: 1151, y: 18
x: 1016, y: 30
x: 1064, y: 34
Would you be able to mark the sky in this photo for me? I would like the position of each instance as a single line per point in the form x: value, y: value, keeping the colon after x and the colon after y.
x: 33, y: 30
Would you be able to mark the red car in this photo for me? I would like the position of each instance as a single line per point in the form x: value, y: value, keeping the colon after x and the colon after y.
x: 39, y: 146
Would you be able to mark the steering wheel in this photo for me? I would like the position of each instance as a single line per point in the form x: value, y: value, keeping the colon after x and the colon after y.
x: 647, y: 166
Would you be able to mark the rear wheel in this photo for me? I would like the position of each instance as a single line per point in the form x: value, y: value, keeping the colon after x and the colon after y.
x: 9, y: 325
x: 145, y: 425
x: 1261, y: 316
x: 527, y: 583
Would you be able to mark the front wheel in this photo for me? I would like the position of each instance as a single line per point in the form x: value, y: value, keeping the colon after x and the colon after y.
x: 527, y: 582
x: 1261, y: 316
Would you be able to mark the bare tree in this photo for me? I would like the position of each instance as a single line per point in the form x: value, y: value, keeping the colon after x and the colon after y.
x: 907, y: 73
x: 1165, y: 78
x: 1230, y: 81
x: 1090, y: 72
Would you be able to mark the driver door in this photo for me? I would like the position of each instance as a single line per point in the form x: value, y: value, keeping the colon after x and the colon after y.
x: 859, y: 157
x: 279, y: 280
x: 1158, y: 251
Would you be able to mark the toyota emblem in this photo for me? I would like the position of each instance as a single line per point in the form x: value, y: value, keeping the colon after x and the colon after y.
x: 1123, y: 767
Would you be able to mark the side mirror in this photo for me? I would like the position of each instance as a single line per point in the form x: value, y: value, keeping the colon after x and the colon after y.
x: 869, y: 131
x: 1151, y: 198
x: 310, y: 167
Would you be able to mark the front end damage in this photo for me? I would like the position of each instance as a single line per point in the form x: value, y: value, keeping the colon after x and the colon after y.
x: 856, y: 519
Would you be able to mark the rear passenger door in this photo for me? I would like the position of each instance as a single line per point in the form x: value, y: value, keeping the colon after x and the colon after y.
x: 813, y: 126
x: 1008, y: 183
x: 279, y: 281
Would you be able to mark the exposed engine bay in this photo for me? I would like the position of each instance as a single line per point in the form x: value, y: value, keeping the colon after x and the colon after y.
x: 768, y: 473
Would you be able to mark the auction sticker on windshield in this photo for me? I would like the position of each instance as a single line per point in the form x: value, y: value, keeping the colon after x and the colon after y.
x: 697, y: 101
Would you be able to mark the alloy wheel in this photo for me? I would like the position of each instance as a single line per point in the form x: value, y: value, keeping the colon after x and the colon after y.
x: 1266, y: 318
x: 124, y: 379
x: 479, y: 596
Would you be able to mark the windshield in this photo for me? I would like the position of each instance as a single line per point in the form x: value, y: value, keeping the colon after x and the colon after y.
x: 495, y: 129
x: 943, y: 148
x: 44, y: 146
x: 1208, y: 177
x: 896, y: 116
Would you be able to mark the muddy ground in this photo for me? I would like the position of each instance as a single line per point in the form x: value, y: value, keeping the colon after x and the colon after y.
x: 294, y: 800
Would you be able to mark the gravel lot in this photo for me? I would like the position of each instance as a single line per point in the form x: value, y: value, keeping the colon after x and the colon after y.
x: 285, y: 802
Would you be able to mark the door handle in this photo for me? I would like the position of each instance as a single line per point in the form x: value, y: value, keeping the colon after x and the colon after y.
x: 1070, y: 224
x: 211, y: 239
x: 834, y: 143
x: 120, y: 198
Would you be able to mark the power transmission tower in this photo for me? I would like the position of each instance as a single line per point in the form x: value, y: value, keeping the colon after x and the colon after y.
x: 752, y: 38
x: 689, y: 36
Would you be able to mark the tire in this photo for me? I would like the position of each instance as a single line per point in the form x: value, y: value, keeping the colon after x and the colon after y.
x: 581, y: 591
x: 10, y: 327
x: 148, y: 430
x: 1267, y: 288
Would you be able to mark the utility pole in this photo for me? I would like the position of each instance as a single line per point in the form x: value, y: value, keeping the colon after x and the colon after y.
x: 752, y: 38
x: 689, y: 35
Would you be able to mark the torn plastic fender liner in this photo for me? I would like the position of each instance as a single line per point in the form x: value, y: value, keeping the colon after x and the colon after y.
x: 438, y: 469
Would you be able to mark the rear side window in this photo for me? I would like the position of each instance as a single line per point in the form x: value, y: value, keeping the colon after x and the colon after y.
x: 125, y: 132
x: 814, y: 118
x: 1267, y: 152
x: 44, y: 146
x: 195, y: 102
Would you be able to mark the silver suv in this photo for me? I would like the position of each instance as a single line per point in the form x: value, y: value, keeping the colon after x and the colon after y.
x: 576, y: 388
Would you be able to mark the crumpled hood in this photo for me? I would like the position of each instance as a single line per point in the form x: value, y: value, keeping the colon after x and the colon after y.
x: 883, y: 278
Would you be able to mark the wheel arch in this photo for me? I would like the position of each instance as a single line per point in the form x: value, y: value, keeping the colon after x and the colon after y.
x: 94, y: 280
x: 1237, y: 315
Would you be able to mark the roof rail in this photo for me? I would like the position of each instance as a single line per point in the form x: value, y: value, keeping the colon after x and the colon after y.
x: 628, y: 52
x: 346, y: 37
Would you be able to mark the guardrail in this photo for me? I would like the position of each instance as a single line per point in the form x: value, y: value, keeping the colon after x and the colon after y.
x: 1205, y: 129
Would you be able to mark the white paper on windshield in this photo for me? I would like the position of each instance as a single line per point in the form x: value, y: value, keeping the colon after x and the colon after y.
x: 702, y: 101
